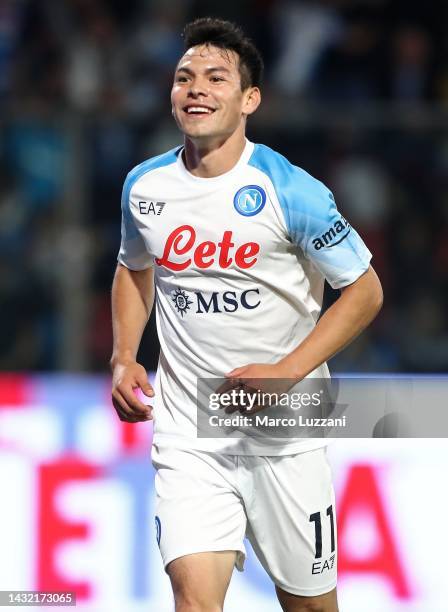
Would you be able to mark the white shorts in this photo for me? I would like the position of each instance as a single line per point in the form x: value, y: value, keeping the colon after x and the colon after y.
x: 284, y: 505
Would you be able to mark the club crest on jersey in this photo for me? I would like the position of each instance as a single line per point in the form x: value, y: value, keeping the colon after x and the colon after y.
x: 249, y: 200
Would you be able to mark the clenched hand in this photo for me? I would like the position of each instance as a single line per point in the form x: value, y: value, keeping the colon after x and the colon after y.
x: 126, y: 377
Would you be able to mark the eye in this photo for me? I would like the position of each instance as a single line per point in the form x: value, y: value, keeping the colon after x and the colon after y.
x: 181, y: 79
x: 216, y: 79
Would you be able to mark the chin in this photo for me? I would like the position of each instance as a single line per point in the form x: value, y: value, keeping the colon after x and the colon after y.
x: 199, y: 134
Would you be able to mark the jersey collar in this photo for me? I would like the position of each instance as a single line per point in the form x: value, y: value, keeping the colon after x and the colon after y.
x: 245, y: 156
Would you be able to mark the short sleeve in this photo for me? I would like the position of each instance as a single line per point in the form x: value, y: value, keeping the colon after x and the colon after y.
x: 133, y: 252
x: 313, y: 221
x: 326, y: 237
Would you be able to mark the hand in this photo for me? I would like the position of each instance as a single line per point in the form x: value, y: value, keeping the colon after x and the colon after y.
x: 267, y: 378
x: 127, y: 377
x: 254, y: 371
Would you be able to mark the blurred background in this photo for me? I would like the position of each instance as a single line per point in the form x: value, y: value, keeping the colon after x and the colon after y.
x: 356, y: 93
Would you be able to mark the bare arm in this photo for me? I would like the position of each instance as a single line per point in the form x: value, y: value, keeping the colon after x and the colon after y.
x: 353, y: 311
x: 357, y: 306
x: 132, y: 300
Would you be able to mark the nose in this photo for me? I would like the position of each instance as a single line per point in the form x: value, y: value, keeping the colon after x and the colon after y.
x: 197, y: 88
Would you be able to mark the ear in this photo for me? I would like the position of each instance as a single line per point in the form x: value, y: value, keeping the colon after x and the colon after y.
x: 251, y: 100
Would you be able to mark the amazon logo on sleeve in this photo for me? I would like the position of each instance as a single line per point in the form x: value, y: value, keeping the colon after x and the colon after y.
x: 334, y: 235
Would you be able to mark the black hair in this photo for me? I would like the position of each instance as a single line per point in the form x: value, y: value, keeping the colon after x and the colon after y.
x: 230, y: 37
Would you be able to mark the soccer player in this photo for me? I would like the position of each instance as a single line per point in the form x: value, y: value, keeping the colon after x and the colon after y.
x: 234, y: 242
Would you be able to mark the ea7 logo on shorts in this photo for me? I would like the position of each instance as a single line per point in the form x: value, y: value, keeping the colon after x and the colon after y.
x: 249, y: 200
x: 154, y: 208
x: 334, y: 235
x: 158, y: 530
x: 321, y: 566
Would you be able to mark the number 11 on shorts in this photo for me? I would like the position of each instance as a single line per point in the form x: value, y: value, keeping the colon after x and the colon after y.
x: 315, y: 518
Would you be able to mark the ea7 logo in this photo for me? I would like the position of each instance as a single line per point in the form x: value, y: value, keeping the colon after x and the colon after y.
x: 151, y: 207
x: 334, y: 235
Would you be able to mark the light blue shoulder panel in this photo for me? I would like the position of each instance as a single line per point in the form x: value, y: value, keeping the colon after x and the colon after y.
x: 312, y: 219
x: 153, y: 163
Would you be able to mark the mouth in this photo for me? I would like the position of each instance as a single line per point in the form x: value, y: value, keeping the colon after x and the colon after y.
x: 198, y: 110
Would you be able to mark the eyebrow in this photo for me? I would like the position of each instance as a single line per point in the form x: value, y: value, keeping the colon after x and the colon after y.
x: 208, y: 70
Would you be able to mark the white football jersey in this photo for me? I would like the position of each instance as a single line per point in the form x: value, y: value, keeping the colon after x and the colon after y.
x: 240, y: 261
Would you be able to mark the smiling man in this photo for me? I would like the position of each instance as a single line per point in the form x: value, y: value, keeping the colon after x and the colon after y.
x: 235, y: 243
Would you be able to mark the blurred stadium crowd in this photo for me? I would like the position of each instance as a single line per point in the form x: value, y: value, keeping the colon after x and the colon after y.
x: 356, y: 92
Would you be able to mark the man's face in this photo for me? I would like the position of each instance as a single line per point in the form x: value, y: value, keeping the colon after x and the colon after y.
x: 206, y: 96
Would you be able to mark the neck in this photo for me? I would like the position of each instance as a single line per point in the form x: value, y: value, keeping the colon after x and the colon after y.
x: 209, y: 159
